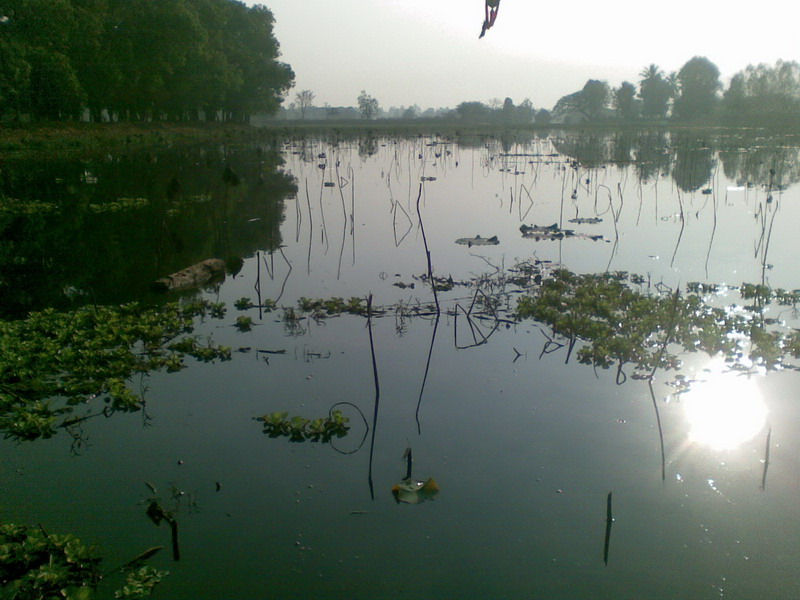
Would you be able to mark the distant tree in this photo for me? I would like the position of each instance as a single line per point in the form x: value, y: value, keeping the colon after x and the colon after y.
x: 543, y: 116
x: 507, y: 112
x: 699, y: 85
x: 624, y: 101
x: 764, y: 95
x: 655, y: 92
x: 367, y: 105
x: 473, y: 112
x: 410, y: 113
x: 305, y: 100
x: 525, y: 112
x: 567, y: 104
x: 593, y: 99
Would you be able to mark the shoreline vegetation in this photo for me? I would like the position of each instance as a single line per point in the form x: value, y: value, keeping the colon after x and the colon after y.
x: 34, y: 139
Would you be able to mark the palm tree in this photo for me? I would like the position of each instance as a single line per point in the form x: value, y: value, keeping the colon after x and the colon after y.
x: 651, y: 73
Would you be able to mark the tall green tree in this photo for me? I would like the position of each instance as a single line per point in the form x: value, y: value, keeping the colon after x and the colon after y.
x: 367, y: 105
x: 252, y: 49
x: 305, y: 100
x: 655, y: 91
x: 624, y: 101
x: 594, y: 98
x: 699, y: 85
x: 473, y: 112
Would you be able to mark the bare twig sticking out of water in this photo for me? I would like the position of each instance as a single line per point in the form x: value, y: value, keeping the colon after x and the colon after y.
x: 427, y: 252
x: 363, y: 418
x: 528, y: 193
x: 285, y: 279
x: 257, y: 285
x: 680, y: 234
x: 351, y: 174
x: 713, y: 229
x: 395, y: 207
x: 609, y: 522
x: 640, y: 194
x: 298, y: 219
x: 763, y: 485
x: 474, y: 328
x: 769, y: 231
x: 377, y: 394
x: 660, y: 355
x: 310, y: 227
x: 427, y: 368
x: 324, y: 232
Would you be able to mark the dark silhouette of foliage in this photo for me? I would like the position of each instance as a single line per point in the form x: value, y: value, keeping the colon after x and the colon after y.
x: 699, y: 85
x: 139, y: 60
x: 367, y: 105
x: 624, y: 100
x: 655, y: 92
x: 764, y: 95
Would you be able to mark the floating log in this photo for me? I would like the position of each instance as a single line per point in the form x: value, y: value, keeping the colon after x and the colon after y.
x: 193, y: 276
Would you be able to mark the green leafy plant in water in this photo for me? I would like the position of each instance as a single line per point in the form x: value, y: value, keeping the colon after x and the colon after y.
x: 243, y: 304
x: 320, y: 308
x: 35, y: 565
x: 53, y: 361
x: 300, y: 429
x: 622, y: 326
x: 140, y: 583
x: 244, y: 323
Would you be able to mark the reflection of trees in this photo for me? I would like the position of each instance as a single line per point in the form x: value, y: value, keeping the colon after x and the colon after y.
x: 367, y: 146
x: 693, y: 167
x: 747, y: 162
x: 100, y: 241
x: 589, y: 149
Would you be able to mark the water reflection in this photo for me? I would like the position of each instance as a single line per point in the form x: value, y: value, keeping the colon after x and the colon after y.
x: 724, y: 409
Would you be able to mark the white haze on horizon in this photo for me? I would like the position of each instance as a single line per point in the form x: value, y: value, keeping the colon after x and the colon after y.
x: 406, y: 52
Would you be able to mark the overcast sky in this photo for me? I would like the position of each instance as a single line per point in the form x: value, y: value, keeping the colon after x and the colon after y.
x: 427, y: 52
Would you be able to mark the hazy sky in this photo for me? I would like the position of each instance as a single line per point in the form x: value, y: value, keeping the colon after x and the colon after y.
x: 427, y: 52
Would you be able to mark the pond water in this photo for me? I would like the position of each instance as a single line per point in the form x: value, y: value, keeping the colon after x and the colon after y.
x: 556, y: 479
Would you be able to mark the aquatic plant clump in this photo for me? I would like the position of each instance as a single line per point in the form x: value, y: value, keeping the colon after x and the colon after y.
x: 35, y: 564
x: 300, y: 429
x: 53, y: 361
x: 623, y: 325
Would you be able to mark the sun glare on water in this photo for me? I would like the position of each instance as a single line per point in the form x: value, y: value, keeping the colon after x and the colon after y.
x: 724, y: 409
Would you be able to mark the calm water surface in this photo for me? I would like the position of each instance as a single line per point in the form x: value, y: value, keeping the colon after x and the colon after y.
x: 525, y: 445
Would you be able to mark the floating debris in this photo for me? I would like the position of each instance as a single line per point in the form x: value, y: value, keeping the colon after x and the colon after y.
x: 411, y: 491
x: 586, y: 220
x: 553, y: 232
x: 478, y: 241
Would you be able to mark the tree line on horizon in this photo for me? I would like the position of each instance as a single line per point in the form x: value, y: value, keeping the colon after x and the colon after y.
x: 759, y: 95
x: 139, y: 60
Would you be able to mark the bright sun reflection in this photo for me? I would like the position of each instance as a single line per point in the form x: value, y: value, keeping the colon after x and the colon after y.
x: 724, y: 409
